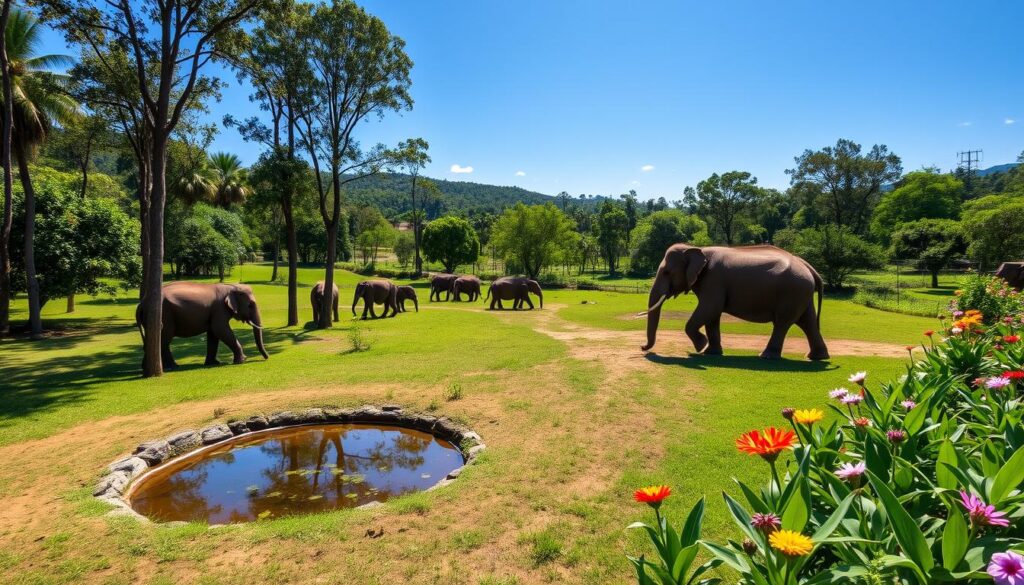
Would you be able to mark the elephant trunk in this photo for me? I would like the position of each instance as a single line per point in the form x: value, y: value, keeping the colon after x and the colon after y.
x: 540, y: 295
x: 658, y: 295
x: 257, y: 333
x: 416, y: 302
x: 355, y: 299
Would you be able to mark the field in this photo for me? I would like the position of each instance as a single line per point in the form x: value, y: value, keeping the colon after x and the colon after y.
x: 574, y: 415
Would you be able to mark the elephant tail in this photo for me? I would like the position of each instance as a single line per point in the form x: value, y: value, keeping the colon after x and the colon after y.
x: 488, y: 292
x: 820, y: 285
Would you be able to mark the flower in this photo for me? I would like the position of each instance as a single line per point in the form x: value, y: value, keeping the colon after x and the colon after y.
x: 956, y: 330
x: 929, y: 333
x: 957, y: 293
x: 808, y: 416
x: 1011, y: 338
x: 896, y: 436
x: 790, y: 543
x: 852, y: 399
x: 749, y: 547
x: 997, y: 383
x: 980, y: 513
x: 1014, y: 375
x: 838, y: 393
x: 652, y: 495
x: 858, y: 378
x: 958, y: 314
x: 766, y: 523
x: 851, y: 471
x: 787, y: 413
x: 1007, y: 568
x: 767, y: 445
x: 908, y: 404
x: 862, y: 422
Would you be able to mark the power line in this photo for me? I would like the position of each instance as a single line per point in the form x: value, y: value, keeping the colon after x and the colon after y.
x: 969, y: 160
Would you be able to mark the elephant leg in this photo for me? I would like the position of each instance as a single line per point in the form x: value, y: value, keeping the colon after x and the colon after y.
x: 373, y: 310
x: 316, y: 311
x: 392, y: 302
x: 494, y: 301
x: 526, y: 299
x: 714, y: 331
x: 702, y: 315
x: 773, y: 350
x: 501, y: 307
x: 808, y: 322
x: 227, y: 336
x: 335, y: 306
x: 211, y: 348
x: 165, y: 353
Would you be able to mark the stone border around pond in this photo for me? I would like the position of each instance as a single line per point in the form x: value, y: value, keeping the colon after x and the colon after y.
x: 113, y: 486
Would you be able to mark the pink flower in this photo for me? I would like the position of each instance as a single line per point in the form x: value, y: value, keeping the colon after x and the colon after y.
x: 852, y: 399
x: 956, y: 331
x: 1007, y: 568
x: 980, y: 513
x: 997, y: 382
x: 766, y: 523
x: 896, y: 436
x: 851, y: 471
x: 858, y: 378
x: 838, y: 393
x: 908, y: 404
x: 958, y: 313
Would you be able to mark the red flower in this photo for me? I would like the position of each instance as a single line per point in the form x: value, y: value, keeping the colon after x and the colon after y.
x: 1011, y: 338
x: 652, y: 495
x: 929, y: 333
x: 1014, y: 375
x: 767, y: 445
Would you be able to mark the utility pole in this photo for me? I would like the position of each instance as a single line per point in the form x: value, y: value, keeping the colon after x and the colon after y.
x: 968, y: 164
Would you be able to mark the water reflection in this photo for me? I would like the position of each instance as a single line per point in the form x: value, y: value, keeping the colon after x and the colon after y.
x: 295, y: 471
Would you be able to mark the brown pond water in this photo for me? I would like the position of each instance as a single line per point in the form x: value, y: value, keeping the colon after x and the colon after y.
x: 295, y: 470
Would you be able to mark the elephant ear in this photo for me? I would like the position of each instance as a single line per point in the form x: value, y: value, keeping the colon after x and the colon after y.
x: 695, y: 263
x: 231, y: 303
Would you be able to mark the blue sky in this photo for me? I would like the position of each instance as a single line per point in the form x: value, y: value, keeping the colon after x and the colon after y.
x: 600, y: 97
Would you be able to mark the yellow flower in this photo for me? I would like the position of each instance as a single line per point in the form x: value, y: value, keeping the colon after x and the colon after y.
x: 790, y: 543
x: 807, y: 416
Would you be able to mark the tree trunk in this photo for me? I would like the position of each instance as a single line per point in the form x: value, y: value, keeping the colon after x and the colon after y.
x: 35, y: 319
x: 5, y: 166
x: 416, y: 232
x: 935, y: 279
x: 154, y: 261
x: 71, y: 303
x: 327, y: 301
x: 277, y: 254
x: 144, y: 198
x: 293, y: 265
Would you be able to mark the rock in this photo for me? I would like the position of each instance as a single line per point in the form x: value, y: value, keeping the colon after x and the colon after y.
x: 127, y: 513
x: 238, y: 427
x: 133, y: 466
x: 282, y: 419
x: 339, y: 415
x: 471, y: 437
x: 215, y: 434
x: 391, y: 408
x: 474, y: 451
x: 370, y: 414
x: 447, y: 429
x: 115, y: 501
x: 312, y: 415
x: 424, y: 422
x: 440, y: 484
x: 370, y: 505
x: 454, y: 473
x: 112, y: 484
x: 257, y: 422
x: 184, y: 442
x: 153, y: 452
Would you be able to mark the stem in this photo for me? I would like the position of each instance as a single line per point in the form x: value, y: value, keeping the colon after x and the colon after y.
x: 775, y: 479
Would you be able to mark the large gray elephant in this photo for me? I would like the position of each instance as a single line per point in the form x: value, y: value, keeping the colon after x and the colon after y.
x: 442, y: 283
x: 316, y: 298
x: 763, y: 284
x: 515, y: 289
x: 407, y: 293
x: 1012, y: 273
x: 381, y: 292
x: 466, y: 284
x: 192, y: 308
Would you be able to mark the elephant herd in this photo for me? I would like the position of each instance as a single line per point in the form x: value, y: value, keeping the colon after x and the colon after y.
x: 507, y: 288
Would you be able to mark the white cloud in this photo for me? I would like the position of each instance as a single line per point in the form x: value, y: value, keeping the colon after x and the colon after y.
x: 647, y: 168
x: 1009, y: 121
x: 520, y: 173
x: 964, y: 124
x: 460, y: 170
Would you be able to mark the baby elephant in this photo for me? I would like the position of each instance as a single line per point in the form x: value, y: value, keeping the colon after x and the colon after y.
x: 382, y: 292
x: 515, y: 289
x: 316, y: 298
x: 466, y: 284
x: 406, y: 293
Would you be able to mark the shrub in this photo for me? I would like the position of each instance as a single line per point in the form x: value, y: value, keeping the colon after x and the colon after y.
x: 451, y: 241
x: 836, y: 253
x: 453, y: 392
x: 989, y: 295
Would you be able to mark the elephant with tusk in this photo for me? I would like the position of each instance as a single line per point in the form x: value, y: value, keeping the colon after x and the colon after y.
x: 191, y: 308
x: 763, y: 284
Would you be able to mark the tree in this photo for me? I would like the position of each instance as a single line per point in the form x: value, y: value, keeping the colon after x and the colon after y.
x: 359, y: 69
x: 451, y: 241
x: 923, y: 194
x: 629, y: 206
x: 278, y: 179
x: 661, y: 229
x: 164, y: 47
x: 202, y: 239
x: 721, y: 199
x: 84, y: 245
x: 6, y: 126
x: 531, y: 236
x: 372, y: 239
x: 845, y: 184
x: 933, y: 243
x: 835, y: 252
x: 78, y: 141
x: 405, y: 249
x: 413, y: 153
x: 994, y: 226
x: 612, y: 232
x: 229, y: 178
x: 39, y: 101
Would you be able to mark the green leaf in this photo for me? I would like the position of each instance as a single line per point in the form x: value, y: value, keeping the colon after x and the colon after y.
x: 756, y: 503
x: 691, y: 530
x: 915, y: 419
x: 843, y: 574
x: 726, y: 556
x: 798, y: 508
x: 1008, y: 478
x: 947, y: 454
x: 990, y: 460
x: 740, y: 516
x: 954, y: 539
x: 683, y: 562
x: 830, y: 525
x: 894, y: 561
x: 907, y: 532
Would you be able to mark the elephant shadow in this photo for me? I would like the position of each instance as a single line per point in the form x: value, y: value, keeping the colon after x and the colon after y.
x: 696, y: 361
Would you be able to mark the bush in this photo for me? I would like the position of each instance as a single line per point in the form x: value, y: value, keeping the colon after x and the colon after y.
x: 451, y: 241
x: 836, y: 253
x: 989, y: 295
x: 659, y: 230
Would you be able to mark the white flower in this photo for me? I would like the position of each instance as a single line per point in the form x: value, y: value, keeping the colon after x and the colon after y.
x: 858, y: 378
x: 838, y: 393
x: 852, y: 399
x: 956, y: 331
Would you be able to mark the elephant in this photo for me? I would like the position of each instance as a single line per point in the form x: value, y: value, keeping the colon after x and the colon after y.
x: 1012, y: 273
x: 406, y: 293
x: 466, y: 284
x: 763, y: 284
x: 376, y: 291
x: 316, y: 298
x: 192, y: 308
x: 516, y: 289
x: 442, y: 283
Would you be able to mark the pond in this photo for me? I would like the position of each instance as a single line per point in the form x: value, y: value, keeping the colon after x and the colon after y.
x: 296, y: 470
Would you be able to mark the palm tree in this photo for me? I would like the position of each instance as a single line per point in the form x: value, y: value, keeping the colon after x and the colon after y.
x: 229, y: 178
x: 196, y: 186
x: 39, y: 101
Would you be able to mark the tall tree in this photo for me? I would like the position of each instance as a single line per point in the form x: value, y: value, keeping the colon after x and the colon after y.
x: 40, y: 101
x: 230, y: 180
x: 451, y: 241
x: 359, y: 69
x: 532, y: 237
x: 168, y: 45
x: 932, y: 243
x: 413, y: 153
x: 845, y: 183
x: 7, y: 222
x: 721, y: 199
x: 925, y: 194
x: 612, y: 232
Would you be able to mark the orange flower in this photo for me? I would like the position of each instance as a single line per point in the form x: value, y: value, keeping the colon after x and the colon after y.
x: 652, y: 495
x: 767, y: 443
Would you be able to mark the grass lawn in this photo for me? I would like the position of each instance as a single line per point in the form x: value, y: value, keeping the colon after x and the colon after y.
x: 574, y: 415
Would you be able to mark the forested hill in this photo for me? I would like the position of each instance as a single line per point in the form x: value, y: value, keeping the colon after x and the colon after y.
x: 390, y: 193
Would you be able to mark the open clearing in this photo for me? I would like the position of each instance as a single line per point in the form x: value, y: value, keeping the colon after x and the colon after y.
x: 574, y: 415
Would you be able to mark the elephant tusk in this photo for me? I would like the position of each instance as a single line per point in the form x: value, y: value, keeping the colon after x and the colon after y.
x: 254, y: 326
x: 655, y: 305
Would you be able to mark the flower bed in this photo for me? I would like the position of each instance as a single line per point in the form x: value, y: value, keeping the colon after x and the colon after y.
x: 916, y: 480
